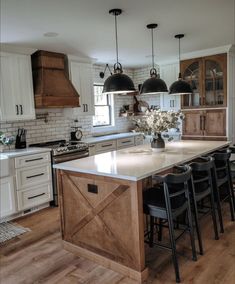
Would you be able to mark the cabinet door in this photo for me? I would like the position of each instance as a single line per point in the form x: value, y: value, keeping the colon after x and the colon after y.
x: 25, y: 88
x: 7, y: 197
x: 191, y: 71
x: 9, y: 110
x: 82, y: 79
x: 169, y: 73
x: 17, y: 100
x: 193, y: 123
x: 215, y: 80
x: 215, y: 122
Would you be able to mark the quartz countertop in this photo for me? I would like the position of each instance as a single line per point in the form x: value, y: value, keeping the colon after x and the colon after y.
x: 26, y: 151
x: 109, y: 137
x: 141, y: 161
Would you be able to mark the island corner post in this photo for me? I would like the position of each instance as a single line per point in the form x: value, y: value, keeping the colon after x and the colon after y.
x: 102, y: 219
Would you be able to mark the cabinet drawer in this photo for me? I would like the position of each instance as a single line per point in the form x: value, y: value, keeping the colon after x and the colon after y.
x: 27, y: 177
x: 32, y: 160
x: 139, y: 140
x: 36, y: 196
x: 106, y: 146
x: 125, y: 142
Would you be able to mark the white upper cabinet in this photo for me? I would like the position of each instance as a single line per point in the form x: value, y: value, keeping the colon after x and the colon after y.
x: 82, y: 79
x: 169, y: 73
x: 17, y: 99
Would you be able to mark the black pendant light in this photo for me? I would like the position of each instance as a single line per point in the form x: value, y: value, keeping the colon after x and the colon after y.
x: 154, y: 84
x: 180, y: 87
x: 118, y: 83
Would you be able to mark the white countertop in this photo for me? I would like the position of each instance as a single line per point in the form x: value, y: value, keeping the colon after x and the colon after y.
x: 22, y: 152
x: 138, y: 162
x: 109, y: 137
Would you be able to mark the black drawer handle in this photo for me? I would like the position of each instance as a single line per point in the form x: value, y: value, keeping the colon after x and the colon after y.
x: 107, y: 145
x: 127, y: 141
x: 36, y: 159
x: 91, y: 146
x: 35, y: 196
x: 38, y: 175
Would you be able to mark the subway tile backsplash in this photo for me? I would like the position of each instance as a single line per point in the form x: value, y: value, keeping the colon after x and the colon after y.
x: 59, y: 127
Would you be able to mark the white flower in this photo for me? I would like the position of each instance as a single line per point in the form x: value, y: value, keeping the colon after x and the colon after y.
x: 157, y: 121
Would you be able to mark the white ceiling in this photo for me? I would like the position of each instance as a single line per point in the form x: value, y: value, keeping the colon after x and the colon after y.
x: 85, y: 27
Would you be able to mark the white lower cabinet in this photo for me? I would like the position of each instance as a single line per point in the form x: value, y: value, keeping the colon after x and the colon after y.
x: 116, y: 144
x: 106, y: 146
x: 33, y: 180
x: 28, y: 177
x: 125, y: 142
x: 36, y: 195
x: 7, y: 197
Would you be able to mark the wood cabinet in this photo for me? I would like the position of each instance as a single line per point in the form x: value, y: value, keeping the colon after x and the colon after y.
x: 17, y: 99
x: 82, y: 79
x: 208, y: 79
x: 169, y: 73
x: 207, y: 124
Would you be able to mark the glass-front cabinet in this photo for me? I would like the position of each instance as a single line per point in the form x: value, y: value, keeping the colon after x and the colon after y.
x: 208, y: 79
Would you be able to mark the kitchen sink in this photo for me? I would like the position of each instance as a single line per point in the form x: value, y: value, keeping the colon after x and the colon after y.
x: 4, y: 165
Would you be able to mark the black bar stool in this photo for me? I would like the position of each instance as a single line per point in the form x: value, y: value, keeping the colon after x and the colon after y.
x: 223, y: 182
x: 168, y: 201
x: 232, y: 166
x: 201, y: 189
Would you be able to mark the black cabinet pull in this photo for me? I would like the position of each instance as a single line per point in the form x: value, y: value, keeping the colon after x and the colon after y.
x: 17, y: 110
x: 31, y: 160
x: 32, y: 197
x: 21, y: 109
x: 127, y: 141
x: 107, y: 145
x: 201, y: 122
x: 37, y: 175
x: 86, y: 107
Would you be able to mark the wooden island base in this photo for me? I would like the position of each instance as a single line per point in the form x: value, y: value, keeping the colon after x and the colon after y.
x: 102, y: 220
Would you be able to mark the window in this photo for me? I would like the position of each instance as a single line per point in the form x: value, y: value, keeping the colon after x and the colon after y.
x: 102, y: 103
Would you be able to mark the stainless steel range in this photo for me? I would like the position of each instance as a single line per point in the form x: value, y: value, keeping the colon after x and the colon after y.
x: 63, y: 151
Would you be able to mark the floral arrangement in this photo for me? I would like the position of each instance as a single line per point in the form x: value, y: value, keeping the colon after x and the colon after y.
x: 6, y: 139
x: 156, y: 121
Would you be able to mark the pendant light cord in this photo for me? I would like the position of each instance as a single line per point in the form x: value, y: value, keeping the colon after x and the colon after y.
x: 180, y: 76
x: 152, y: 49
x: 116, y: 37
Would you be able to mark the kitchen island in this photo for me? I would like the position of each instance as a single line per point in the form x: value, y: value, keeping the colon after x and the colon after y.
x: 101, y: 201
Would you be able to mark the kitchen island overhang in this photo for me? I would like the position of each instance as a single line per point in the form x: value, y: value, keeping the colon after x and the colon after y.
x: 101, y: 202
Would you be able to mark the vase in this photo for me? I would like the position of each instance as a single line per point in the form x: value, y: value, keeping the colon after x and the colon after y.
x: 158, y: 143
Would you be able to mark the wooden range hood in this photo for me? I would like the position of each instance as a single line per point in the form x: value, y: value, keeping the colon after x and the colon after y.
x: 52, y: 87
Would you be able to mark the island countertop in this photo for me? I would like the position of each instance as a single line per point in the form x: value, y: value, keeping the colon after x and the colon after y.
x: 141, y: 161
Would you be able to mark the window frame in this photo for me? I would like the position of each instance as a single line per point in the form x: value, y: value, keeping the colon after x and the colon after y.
x: 109, y: 108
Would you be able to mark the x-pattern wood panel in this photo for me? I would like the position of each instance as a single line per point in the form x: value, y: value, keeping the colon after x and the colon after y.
x: 99, y: 219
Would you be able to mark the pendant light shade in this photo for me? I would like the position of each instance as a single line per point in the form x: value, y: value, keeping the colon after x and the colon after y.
x: 180, y: 87
x: 118, y: 83
x: 154, y: 84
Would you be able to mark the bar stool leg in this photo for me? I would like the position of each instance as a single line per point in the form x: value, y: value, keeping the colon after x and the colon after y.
x: 213, y: 213
x: 160, y: 230
x: 173, y: 247
x: 151, y: 231
x: 194, y: 203
x: 218, y: 204
x: 190, y: 224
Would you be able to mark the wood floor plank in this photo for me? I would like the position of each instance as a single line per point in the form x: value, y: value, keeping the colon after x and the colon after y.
x: 38, y: 257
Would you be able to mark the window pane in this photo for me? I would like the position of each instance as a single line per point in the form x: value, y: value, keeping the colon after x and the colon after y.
x: 102, y: 116
x: 100, y: 99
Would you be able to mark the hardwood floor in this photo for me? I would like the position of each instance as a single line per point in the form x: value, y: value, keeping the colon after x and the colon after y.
x: 38, y: 257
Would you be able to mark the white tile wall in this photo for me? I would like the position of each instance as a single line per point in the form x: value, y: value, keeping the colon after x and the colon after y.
x: 59, y: 127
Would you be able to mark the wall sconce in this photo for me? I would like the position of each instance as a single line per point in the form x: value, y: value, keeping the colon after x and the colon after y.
x: 103, y: 73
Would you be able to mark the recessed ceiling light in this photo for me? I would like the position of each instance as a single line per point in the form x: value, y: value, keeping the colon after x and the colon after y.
x: 51, y: 34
